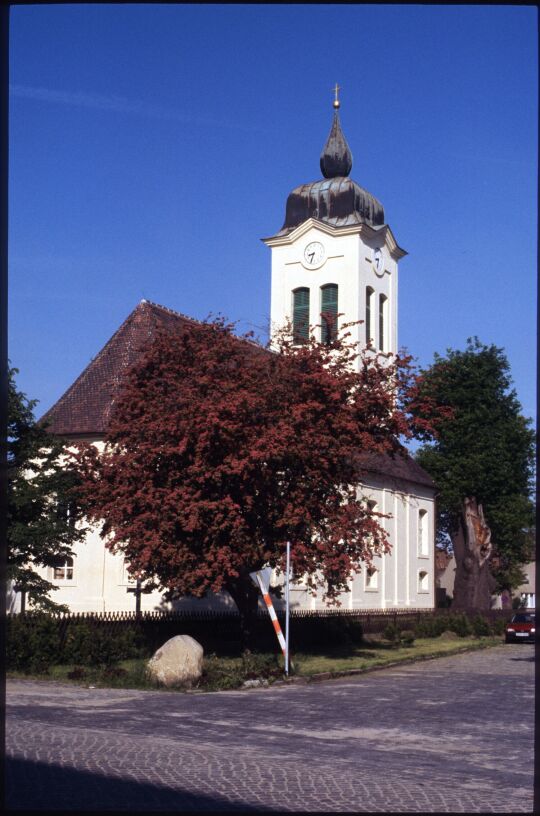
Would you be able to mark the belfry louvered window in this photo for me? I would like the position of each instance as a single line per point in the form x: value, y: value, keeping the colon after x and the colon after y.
x: 329, y: 310
x: 369, y: 322
x: 301, y: 314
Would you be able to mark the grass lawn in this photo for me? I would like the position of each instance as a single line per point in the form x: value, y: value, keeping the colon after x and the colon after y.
x: 375, y: 653
x: 230, y: 672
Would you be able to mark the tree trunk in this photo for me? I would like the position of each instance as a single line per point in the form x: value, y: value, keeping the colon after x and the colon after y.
x: 474, y: 583
x: 246, y: 597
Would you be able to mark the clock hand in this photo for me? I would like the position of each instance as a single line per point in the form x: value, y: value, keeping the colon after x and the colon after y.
x: 311, y: 256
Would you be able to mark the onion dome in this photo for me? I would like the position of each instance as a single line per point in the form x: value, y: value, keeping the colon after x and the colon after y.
x: 336, y: 158
x: 336, y: 199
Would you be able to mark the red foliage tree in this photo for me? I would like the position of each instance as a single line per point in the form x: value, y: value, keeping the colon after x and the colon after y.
x: 219, y: 451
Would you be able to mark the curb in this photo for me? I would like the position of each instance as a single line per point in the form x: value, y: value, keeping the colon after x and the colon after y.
x: 320, y: 676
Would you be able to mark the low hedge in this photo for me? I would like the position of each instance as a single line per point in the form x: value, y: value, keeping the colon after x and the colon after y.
x: 461, y: 624
x: 93, y: 646
x: 35, y: 641
x: 32, y: 648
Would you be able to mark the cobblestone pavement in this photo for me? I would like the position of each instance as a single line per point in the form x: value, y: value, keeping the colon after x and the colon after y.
x: 449, y: 735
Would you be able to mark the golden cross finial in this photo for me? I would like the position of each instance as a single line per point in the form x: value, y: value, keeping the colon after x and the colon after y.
x: 336, y: 100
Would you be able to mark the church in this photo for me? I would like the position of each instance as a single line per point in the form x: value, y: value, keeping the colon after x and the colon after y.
x: 334, y: 258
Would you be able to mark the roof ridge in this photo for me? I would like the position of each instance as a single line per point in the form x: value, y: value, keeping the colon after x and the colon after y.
x: 197, y: 321
x: 168, y: 310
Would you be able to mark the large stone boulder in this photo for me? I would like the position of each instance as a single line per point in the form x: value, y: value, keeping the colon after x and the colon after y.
x: 177, y: 662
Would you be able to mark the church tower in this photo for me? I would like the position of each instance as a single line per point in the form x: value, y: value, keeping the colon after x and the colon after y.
x: 336, y: 255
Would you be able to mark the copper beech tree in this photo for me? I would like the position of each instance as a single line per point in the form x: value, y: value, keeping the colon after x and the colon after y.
x: 220, y: 450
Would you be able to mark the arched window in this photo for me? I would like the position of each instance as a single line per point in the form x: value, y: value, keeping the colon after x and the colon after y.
x: 423, y: 585
x: 372, y: 578
x: 126, y: 578
x: 62, y: 569
x: 383, y: 321
x: 301, y: 314
x: 371, y: 505
x: 369, y: 318
x: 329, y: 309
x: 66, y: 511
x: 423, y: 532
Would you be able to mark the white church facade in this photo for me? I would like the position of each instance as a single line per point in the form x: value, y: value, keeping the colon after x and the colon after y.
x: 334, y: 261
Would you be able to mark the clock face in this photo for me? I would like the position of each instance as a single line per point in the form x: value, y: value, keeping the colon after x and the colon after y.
x: 314, y: 254
x: 378, y: 261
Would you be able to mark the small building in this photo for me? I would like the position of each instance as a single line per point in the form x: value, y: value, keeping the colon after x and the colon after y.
x: 527, y: 590
x: 445, y: 573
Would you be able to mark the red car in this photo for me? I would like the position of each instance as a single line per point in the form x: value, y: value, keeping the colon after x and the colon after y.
x: 521, y: 627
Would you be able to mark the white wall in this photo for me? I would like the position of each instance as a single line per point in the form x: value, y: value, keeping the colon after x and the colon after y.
x: 349, y: 264
x: 100, y: 584
x: 398, y: 571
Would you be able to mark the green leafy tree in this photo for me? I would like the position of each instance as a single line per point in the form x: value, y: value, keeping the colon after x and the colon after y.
x: 42, y: 518
x: 482, y: 462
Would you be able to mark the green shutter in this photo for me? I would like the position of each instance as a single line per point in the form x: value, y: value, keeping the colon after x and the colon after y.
x: 301, y: 314
x: 329, y: 310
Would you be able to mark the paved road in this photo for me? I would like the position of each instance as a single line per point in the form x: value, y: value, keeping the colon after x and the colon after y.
x: 449, y: 735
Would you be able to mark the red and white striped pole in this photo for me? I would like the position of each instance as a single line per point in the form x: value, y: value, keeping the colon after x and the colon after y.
x: 273, y: 616
x: 287, y: 604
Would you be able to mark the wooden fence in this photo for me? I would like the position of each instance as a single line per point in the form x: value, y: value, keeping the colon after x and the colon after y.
x: 218, y: 630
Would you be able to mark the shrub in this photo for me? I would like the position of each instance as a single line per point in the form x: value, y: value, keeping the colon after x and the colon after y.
x: 407, y: 637
x: 228, y: 673
x: 498, y: 626
x: 431, y: 627
x: 448, y: 635
x: 114, y: 673
x: 78, y: 673
x: 314, y: 633
x: 480, y: 626
x: 259, y: 665
x: 355, y: 631
x: 434, y: 627
x: 218, y: 673
x: 391, y: 633
x: 94, y: 645
x: 459, y: 623
x: 33, y: 643
x: 335, y: 632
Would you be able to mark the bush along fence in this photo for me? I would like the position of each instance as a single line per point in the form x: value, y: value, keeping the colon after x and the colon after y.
x: 36, y: 640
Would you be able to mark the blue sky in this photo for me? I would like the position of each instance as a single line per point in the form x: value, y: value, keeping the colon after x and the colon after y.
x: 152, y: 146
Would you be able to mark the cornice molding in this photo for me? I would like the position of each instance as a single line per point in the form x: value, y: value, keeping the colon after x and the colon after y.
x: 328, y: 229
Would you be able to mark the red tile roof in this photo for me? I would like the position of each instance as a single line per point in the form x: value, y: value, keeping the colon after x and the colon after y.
x: 400, y: 467
x: 86, y: 406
